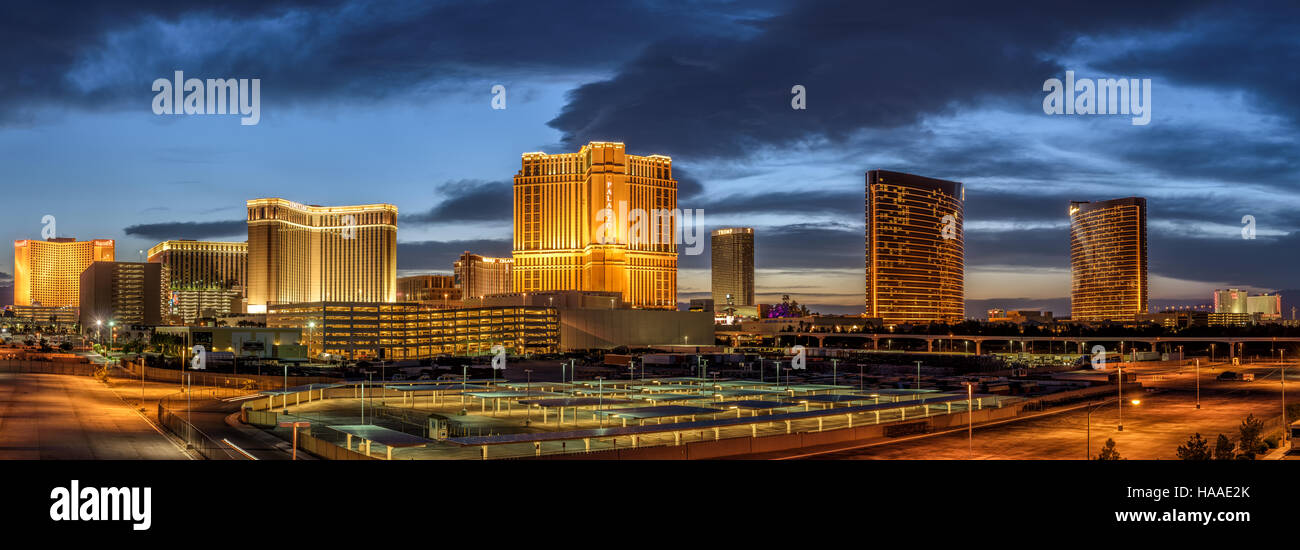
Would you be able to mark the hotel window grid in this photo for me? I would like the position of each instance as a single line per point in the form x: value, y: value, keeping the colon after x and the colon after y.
x: 913, y: 274
x: 1108, y: 259
x: 557, y: 200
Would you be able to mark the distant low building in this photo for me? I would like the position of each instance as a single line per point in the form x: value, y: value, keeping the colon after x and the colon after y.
x: 1020, y: 316
x: 430, y: 290
x: 1237, y: 301
x: 265, y: 343
x: 1176, y: 319
x: 1233, y: 319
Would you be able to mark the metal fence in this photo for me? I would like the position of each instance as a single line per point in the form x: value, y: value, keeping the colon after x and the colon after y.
x: 207, y: 446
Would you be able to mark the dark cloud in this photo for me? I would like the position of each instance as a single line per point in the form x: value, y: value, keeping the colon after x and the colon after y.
x: 189, y: 230
x: 688, y: 187
x: 863, y: 65
x: 441, y: 255
x: 1236, y: 261
x: 1029, y: 247
x: 849, y: 204
x: 800, y: 246
x: 1246, y: 157
x: 1240, y: 49
x: 323, y: 49
x: 469, y: 200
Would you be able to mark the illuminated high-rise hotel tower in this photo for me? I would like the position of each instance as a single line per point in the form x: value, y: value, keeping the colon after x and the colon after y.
x: 915, y: 249
x: 1108, y: 259
x: 562, y: 241
x: 48, y: 273
x: 299, y: 253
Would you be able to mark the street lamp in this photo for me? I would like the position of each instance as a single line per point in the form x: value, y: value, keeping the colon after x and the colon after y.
x: 1119, y: 372
x: 600, y: 399
x: 1198, y: 383
x: 529, y: 420
x: 1088, y: 447
x: 1286, y: 428
x: 285, y: 403
x: 970, y: 419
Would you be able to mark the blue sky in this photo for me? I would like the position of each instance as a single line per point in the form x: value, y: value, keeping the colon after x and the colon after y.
x: 390, y: 102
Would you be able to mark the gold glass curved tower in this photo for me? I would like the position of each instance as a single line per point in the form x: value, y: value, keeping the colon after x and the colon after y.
x: 48, y: 273
x: 1108, y: 259
x: 300, y: 253
x: 558, y: 225
x: 915, y: 249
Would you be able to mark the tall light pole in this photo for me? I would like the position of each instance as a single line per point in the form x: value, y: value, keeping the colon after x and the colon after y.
x: 918, y: 378
x: 1119, y: 371
x: 834, y: 370
x: 1198, y: 383
x: 529, y: 420
x: 285, y: 403
x: 600, y: 399
x: 1286, y: 428
x: 970, y: 419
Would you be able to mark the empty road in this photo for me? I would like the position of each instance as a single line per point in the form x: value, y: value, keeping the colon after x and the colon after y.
x: 63, y: 417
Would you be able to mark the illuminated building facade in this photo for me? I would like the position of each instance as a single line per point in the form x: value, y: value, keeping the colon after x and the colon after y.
x: 1267, y: 306
x: 478, y: 276
x: 42, y: 316
x: 430, y: 290
x: 300, y: 253
x: 1108, y: 259
x: 732, y: 269
x: 121, y: 293
x: 407, y: 330
x: 48, y: 273
x: 915, y: 241
x: 572, y: 218
x: 201, y: 279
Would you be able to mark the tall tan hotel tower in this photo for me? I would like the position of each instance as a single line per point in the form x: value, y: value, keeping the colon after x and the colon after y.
x: 915, y: 249
x: 1108, y: 259
x: 300, y: 253
x: 557, y: 224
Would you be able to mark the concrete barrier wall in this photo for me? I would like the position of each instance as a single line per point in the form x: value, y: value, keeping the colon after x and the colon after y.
x: 48, y: 367
x: 260, y: 418
x: 326, y: 450
x: 738, y: 446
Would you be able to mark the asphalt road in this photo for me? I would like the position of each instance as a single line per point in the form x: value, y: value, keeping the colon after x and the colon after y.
x: 61, y: 417
x: 1152, y: 430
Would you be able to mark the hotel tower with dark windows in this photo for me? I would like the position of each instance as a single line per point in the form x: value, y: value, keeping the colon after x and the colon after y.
x: 201, y: 278
x: 572, y: 215
x: 915, y: 249
x: 732, y: 269
x: 300, y: 253
x: 1108, y: 259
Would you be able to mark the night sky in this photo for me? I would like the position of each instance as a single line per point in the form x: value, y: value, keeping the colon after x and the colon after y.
x: 390, y: 102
